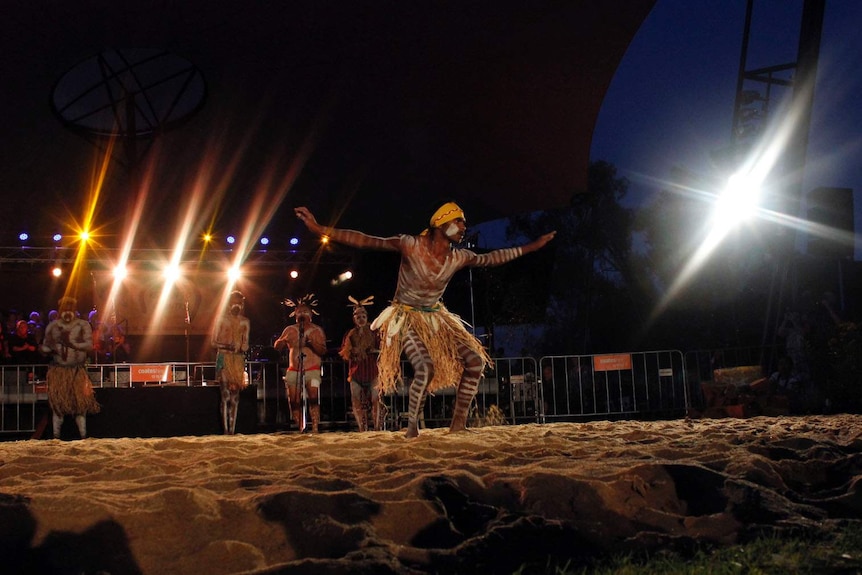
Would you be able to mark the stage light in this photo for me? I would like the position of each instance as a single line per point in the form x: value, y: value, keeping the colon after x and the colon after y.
x: 324, y: 239
x: 56, y: 271
x: 23, y: 236
x: 294, y: 241
x: 207, y: 238
x: 738, y: 202
x: 294, y: 274
x: 264, y: 241
x: 234, y: 273
x: 84, y: 236
x: 342, y: 277
x: 120, y: 272
x: 57, y: 237
x: 172, y: 273
x: 231, y: 240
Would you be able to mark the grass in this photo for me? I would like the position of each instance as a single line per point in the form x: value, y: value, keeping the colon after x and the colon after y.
x: 836, y: 553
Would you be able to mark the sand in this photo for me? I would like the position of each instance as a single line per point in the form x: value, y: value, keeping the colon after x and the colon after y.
x: 485, y: 501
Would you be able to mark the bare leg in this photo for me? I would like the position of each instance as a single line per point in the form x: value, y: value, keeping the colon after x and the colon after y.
x: 225, y: 407
x: 314, y: 407
x: 358, y: 407
x: 295, y: 402
x: 375, y: 405
x: 423, y: 372
x: 467, y: 388
x: 233, y: 408
x: 81, y: 422
x: 57, y: 420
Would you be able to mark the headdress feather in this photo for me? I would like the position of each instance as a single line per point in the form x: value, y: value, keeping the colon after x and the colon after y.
x: 360, y: 303
x: 307, y: 300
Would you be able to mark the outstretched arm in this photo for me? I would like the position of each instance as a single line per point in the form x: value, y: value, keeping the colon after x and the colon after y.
x: 346, y: 237
x: 499, y: 257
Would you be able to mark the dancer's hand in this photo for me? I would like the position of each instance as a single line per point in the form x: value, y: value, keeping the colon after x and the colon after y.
x: 539, y: 242
x: 306, y: 217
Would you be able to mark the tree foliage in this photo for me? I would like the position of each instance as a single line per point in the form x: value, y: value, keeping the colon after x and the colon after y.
x: 594, y: 285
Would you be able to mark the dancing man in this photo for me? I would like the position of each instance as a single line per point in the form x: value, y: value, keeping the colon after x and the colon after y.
x: 359, y: 349
x: 306, y: 343
x: 230, y: 338
x: 68, y: 340
x: 440, y: 349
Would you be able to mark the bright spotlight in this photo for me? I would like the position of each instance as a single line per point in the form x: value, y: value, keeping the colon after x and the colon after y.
x: 172, y: 273
x: 231, y: 240
x: 23, y: 236
x: 342, y: 277
x: 294, y: 274
x: 294, y: 241
x: 233, y: 273
x: 264, y: 241
x: 207, y: 238
x: 739, y: 199
x: 84, y: 236
x: 56, y: 271
x: 120, y: 272
x: 57, y: 237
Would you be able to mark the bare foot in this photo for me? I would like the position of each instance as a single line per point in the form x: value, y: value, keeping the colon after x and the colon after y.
x: 412, y: 430
x: 459, y: 424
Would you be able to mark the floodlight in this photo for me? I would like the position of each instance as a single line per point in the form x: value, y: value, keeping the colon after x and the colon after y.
x: 342, y: 277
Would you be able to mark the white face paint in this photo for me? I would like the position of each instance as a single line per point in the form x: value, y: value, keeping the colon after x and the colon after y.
x: 360, y: 318
x: 452, y: 232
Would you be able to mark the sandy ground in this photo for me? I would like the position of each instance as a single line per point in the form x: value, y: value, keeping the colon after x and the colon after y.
x: 485, y: 501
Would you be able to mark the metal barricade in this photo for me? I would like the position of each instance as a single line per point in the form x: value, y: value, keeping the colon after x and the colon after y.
x: 651, y: 383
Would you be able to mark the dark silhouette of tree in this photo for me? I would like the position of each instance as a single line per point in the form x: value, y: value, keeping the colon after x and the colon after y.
x: 595, y: 284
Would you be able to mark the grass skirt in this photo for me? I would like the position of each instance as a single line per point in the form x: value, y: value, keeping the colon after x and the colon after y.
x: 231, y: 368
x: 70, y: 391
x: 442, y: 332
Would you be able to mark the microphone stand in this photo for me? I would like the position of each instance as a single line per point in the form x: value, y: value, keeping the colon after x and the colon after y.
x: 187, y: 322
x: 300, y: 376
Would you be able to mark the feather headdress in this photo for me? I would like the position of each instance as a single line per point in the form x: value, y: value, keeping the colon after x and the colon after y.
x: 307, y: 300
x: 360, y: 304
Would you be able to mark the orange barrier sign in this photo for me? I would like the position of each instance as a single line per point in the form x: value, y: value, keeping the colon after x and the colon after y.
x: 151, y: 372
x: 612, y: 362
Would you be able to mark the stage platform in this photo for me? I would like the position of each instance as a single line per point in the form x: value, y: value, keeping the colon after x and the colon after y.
x: 165, y: 410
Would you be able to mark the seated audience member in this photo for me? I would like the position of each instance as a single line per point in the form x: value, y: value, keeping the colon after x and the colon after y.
x: 23, y: 346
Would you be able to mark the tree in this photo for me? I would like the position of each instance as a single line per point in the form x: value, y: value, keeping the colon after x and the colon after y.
x: 595, y: 286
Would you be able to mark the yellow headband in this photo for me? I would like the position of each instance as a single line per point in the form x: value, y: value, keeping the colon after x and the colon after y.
x: 445, y: 214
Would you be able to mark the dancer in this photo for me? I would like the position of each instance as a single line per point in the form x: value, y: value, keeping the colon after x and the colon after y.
x: 442, y: 352
x: 68, y: 339
x: 359, y: 349
x: 306, y: 344
x: 230, y: 338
